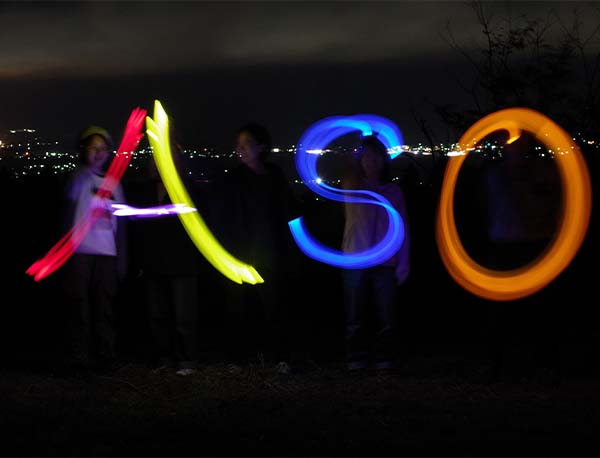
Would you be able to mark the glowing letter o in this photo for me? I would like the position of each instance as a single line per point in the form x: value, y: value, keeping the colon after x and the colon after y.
x: 526, y: 280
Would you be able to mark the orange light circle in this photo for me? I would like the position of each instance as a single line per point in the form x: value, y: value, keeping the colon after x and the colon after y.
x: 506, y: 285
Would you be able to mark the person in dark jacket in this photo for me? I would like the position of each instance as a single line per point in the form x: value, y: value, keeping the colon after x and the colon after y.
x: 256, y: 203
x: 168, y: 264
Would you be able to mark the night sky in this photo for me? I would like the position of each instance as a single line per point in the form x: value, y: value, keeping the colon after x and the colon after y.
x: 474, y: 376
x: 217, y: 65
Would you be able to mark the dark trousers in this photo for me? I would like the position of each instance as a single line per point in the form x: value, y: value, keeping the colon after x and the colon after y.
x: 368, y: 291
x: 526, y: 331
x: 244, y: 304
x: 90, y: 286
x: 173, y: 318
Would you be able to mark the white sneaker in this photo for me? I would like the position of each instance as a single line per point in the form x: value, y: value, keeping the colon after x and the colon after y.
x: 234, y: 369
x: 384, y: 365
x: 160, y: 369
x: 355, y: 366
x: 185, y: 372
x: 283, y: 368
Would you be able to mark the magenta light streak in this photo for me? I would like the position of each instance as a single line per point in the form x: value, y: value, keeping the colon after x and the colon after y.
x: 66, y: 246
x: 151, y: 212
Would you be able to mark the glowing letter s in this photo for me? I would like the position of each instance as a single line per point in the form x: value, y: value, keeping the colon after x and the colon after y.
x: 314, y: 140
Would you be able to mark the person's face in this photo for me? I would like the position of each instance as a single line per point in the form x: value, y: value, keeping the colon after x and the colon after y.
x: 96, y: 153
x: 372, y: 163
x: 247, y: 148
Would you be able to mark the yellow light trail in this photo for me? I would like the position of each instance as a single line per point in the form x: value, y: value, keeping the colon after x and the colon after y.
x: 199, y: 233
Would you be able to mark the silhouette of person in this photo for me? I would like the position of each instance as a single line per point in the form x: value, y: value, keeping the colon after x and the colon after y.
x: 92, y: 273
x: 372, y: 290
x: 256, y: 205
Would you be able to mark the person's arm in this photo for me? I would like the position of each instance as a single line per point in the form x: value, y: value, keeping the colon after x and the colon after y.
x: 121, y: 238
x: 71, y: 199
x: 352, y: 211
x: 223, y: 209
x: 291, y: 205
x: 403, y: 255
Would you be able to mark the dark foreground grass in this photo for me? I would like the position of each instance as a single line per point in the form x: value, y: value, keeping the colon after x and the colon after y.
x: 424, y: 408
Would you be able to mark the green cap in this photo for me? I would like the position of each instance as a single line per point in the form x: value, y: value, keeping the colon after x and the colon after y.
x: 95, y: 130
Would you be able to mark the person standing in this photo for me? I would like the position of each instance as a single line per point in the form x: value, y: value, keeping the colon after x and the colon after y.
x: 92, y: 273
x: 372, y: 290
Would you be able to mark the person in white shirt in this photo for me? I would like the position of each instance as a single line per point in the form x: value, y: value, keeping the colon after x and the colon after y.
x: 92, y: 273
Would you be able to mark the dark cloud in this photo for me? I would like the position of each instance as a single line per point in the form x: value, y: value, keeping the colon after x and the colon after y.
x: 208, y: 106
x: 219, y: 64
x: 132, y: 37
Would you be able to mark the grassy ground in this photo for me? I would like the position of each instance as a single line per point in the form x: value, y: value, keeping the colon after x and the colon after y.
x: 426, y: 407
x: 435, y: 404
